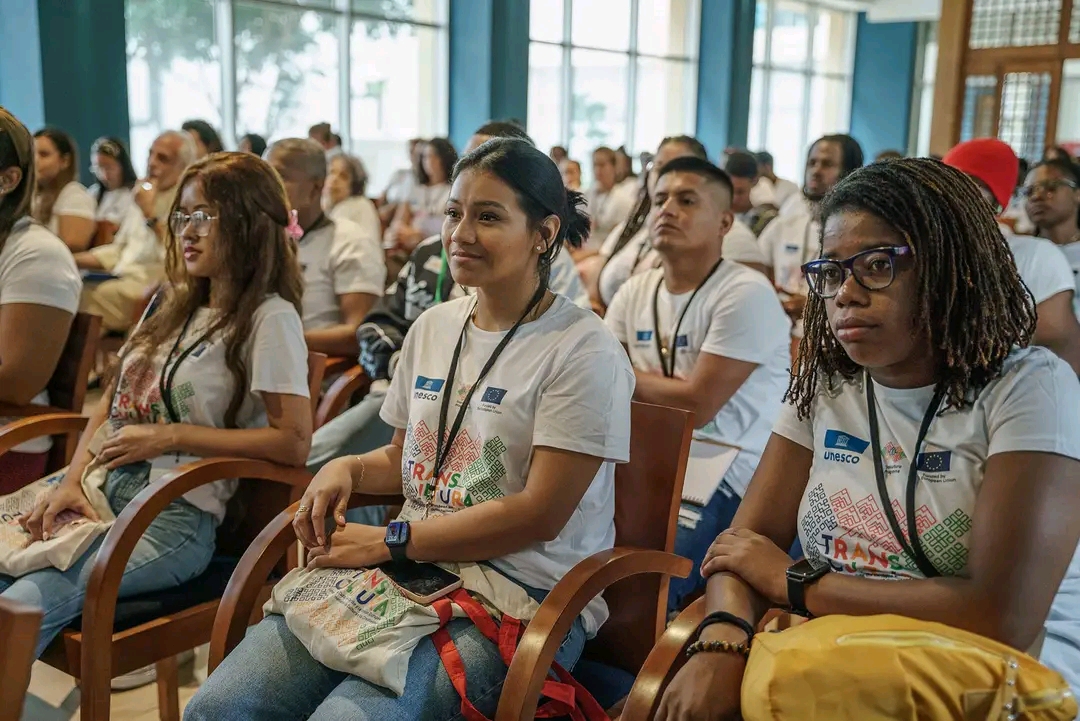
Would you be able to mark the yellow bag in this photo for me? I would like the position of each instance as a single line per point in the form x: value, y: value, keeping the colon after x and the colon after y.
x: 870, y: 668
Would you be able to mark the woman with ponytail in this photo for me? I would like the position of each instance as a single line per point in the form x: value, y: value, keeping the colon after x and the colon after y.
x: 531, y: 395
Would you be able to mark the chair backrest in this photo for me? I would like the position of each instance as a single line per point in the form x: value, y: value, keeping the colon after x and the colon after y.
x: 256, y: 503
x: 19, y: 626
x: 648, y: 491
x: 316, y: 372
x: 67, y: 387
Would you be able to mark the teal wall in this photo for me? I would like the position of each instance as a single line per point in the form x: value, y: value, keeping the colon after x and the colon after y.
x: 882, y: 87
x: 63, y: 63
x: 725, y: 64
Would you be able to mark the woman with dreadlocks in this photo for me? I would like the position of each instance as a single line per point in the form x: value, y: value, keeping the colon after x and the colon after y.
x: 915, y: 395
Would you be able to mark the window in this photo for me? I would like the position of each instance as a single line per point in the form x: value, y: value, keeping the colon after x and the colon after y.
x: 1014, y: 23
x: 922, y: 101
x: 611, y: 72
x: 376, y: 70
x: 1068, y: 128
x: 801, y: 84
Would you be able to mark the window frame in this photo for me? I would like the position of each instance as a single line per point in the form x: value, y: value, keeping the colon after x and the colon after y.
x: 689, y: 60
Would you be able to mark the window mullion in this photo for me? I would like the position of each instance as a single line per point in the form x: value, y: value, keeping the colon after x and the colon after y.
x: 568, y: 75
x: 223, y: 26
x: 631, y: 78
x: 344, y: 23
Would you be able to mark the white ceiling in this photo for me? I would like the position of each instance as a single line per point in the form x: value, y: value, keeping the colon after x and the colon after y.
x: 890, y: 11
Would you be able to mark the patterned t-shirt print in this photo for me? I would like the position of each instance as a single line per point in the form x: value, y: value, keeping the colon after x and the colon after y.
x: 471, y: 474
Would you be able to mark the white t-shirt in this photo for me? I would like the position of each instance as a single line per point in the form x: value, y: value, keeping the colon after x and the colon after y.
x: 336, y: 259
x: 113, y: 205
x: 637, y: 256
x: 36, y: 267
x: 562, y: 382
x: 737, y: 315
x: 429, y: 207
x: 361, y: 211
x: 1072, y: 254
x: 1042, y: 266
x: 795, y: 204
x: 136, y: 252
x: 275, y: 357
x: 1033, y: 406
x: 399, y: 188
x: 73, y: 200
x: 608, y: 209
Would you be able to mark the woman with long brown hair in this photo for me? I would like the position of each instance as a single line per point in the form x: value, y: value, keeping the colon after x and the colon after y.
x: 217, y: 367
x: 39, y: 294
x: 61, y: 202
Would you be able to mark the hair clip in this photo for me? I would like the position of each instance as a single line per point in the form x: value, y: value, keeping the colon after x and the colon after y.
x: 293, y: 228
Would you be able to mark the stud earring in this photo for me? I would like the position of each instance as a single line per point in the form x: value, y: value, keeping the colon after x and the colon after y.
x: 540, y: 248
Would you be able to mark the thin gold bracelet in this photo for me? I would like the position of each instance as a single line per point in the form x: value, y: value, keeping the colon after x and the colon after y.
x: 741, y: 649
x: 363, y: 472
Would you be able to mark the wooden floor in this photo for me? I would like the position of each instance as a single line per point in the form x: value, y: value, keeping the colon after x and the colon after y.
x: 54, y: 697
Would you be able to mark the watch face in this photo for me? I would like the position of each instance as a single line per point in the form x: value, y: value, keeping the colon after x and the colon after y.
x: 806, y: 571
x: 394, y: 533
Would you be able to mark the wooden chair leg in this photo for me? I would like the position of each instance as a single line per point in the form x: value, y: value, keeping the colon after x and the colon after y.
x: 168, y: 688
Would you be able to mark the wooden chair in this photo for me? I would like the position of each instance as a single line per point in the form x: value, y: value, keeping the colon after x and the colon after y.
x: 633, y: 576
x: 117, y: 636
x: 19, y: 627
x: 352, y: 385
x: 67, y: 386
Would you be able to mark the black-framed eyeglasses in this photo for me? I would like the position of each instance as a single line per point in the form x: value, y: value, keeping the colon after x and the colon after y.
x: 874, y: 269
x: 1047, y: 187
x: 200, y: 222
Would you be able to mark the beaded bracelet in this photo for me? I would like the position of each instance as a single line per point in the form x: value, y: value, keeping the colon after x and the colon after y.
x: 718, y: 646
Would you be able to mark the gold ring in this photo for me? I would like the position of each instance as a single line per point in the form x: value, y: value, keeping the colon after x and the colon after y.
x: 301, y: 509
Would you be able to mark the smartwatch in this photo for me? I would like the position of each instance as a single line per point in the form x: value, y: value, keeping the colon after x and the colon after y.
x: 397, y: 538
x: 799, y: 576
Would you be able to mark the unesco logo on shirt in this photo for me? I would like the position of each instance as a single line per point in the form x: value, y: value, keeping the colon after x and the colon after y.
x: 644, y: 336
x: 844, y: 447
x: 427, y: 389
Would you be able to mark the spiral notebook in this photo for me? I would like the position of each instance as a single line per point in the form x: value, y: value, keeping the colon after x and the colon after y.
x: 707, y: 465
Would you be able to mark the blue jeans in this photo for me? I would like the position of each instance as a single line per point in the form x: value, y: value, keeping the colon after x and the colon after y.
x: 271, y: 676
x: 693, y: 543
x: 176, y: 547
x: 356, y: 431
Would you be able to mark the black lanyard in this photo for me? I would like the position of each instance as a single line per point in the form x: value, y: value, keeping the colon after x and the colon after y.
x: 915, y: 549
x: 661, y: 348
x: 442, y: 450
x: 165, y: 380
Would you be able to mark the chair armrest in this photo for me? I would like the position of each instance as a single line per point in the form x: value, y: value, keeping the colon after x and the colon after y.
x: 663, y: 662
x: 238, y: 601
x: 545, y: 633
x: 338, y: 364
x: 337, y: 396
x: 115, y: 551
x: 36, y: 426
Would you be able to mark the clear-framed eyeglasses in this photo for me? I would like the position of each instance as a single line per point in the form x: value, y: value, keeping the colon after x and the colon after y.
x: 200, y: 222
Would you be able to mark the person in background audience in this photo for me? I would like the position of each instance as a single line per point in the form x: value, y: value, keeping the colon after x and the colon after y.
x: 918, y: 318
x: 39, y: 294
x: 343, y: 194
x: 628, y: 250
x: 571, y: 174
x: 228, y: 330
x: 206, y: 139
x: 624, y: 166
x: 116, y: 176
x: 1056, y: 152
x: 791, y: 240
x: 1052, y: 191
x: 609, y: 201
x: 423, y: 282
x: 558, y: 154
x: 61, y: 202
x: 322, y: 134
x: 770, y: 187
x: 1043, y: 267
x: 704, y: 334
x: 343, y: 266
x: 1015, y: 214
x: 742, y: 168
x: 422, y: 215
x: 252, y: 143
x: 888, y: 155
x: 402, y: 181
x: 563, y: 424
x: 135, y: 260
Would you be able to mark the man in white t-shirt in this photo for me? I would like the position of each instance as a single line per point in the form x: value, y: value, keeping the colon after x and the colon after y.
x: 124, y: 271
x: 343, y: 265
x: 1043, y: 267
x: 705, y: 334
x: 792, y: 239
x: 769, y: 187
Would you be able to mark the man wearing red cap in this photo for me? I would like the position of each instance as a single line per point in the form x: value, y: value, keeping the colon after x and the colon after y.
x: 1042, y: 266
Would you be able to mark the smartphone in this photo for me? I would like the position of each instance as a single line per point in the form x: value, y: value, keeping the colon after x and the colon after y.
x: 422, y: 583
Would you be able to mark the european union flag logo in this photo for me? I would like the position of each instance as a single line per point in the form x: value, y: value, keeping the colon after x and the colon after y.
x: 644, y: 336
x: 682, y: 341
x: 939, y: 462
x: 493, y: 395
x: 429, y: 384
x: 845, y: 442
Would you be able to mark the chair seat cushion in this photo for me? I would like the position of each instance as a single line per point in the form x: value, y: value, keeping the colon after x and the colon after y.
x: 136, y: 610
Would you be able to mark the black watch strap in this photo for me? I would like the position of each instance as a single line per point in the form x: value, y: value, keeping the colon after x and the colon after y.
x: 397, y: 554
x: 796, y: 592
x: 725, y: 617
